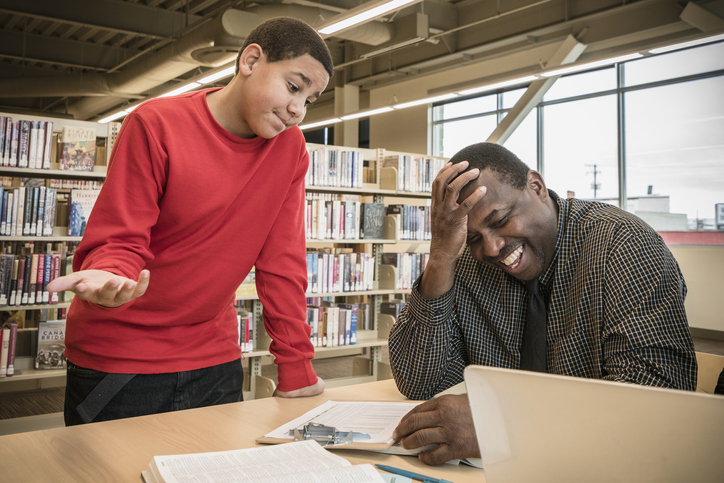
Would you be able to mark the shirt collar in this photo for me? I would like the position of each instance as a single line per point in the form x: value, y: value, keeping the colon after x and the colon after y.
x: 547, y: 279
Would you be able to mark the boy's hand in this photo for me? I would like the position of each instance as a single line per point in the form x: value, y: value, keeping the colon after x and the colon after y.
x: 101, y: 287
x: 312, y: 390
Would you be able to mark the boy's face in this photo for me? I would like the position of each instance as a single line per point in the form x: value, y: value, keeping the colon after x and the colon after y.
x: 276, y: 94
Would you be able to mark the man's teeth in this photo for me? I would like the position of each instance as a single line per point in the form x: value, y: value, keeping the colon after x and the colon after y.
x: 513, y: 257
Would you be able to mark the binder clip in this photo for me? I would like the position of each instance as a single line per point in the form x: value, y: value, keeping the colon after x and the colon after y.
x: 326, y: 435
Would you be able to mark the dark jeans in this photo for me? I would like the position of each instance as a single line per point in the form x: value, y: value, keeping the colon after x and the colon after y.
x: 155, y: 393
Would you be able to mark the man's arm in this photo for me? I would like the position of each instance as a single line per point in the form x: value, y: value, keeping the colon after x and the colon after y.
x: 646, y: 338
x: 426, y: 347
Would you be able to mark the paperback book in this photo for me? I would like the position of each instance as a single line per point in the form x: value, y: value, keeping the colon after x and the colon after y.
x: 81, y: 205
x: 51, y: 345
x: 77, y: 150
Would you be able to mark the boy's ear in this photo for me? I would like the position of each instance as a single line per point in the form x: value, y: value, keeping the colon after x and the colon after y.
x: 251, y: 56
x: 536, y: 183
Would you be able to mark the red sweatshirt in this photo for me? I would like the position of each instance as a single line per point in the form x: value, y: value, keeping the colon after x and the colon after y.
x: 197, y: 207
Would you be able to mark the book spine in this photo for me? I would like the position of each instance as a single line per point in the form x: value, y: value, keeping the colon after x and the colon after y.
x: 33, y: 151
x: 46, y: 277
x: 32, y: 287
x: 50, y: 202
x: 48, y: 148
x: 41, y: 211
x: 40, y: 279
x: 55, y: 266
x: 34, y: 212
x: 14, y: 283
x: 14, y: 144
x: 3, y: 222
x: 24, y: 144
x: 21, y: 282
x: 4, y: 353
x: 14, y: 220
x: 12, y: 344
x: 26, y: 279
x: 3, y: 134
x: 6, y: 145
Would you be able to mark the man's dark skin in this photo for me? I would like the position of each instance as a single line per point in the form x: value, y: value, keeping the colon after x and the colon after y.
x: 512, y: 229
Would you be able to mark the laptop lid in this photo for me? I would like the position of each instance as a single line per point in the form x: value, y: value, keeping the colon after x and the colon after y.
x: 543, y: 427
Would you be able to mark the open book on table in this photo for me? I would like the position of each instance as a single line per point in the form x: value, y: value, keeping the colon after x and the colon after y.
x: 302, y: 461
x: 348, y: 425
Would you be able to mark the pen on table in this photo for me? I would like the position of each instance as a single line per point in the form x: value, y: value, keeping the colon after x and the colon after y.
x: 410, y: 474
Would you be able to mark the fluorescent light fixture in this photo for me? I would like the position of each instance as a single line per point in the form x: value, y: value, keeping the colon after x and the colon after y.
x: 366, y: 113
x: 499, y: 85
x: 363, y: 13
x: 130, y: 109
x: 219, y: 75
x: 428, y: 100
x: 182, y: 89
x: 320, y: 123
x: 590, y: 65
x: 112, y: 117
x: 684, y: 45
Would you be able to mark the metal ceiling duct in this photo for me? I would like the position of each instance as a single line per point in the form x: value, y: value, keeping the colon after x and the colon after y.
x: 226, y: 32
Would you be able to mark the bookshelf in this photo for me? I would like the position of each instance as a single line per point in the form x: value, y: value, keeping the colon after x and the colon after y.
x: 379, y: 183
x: 26, y: 377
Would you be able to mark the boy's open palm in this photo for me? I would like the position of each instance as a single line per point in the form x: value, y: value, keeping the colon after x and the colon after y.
x: 101, y: 287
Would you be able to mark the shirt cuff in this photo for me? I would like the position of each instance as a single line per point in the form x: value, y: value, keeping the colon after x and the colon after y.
x: 436, y: 310
x: 296, y: 375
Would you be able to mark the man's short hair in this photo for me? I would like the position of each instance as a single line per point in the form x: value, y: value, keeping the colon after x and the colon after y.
x: 286, y: 38
x: 508, y: 167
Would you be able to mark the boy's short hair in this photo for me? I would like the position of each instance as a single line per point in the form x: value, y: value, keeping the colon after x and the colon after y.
x: 286, y: 38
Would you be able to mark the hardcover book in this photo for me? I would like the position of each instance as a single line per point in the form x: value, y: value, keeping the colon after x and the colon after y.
x: 81, y: 205
x: 372, y: 220
x: 51, y: 344
x: 77, y: 149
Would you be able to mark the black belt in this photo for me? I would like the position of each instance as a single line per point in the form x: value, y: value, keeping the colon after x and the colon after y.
x: 102, y: 395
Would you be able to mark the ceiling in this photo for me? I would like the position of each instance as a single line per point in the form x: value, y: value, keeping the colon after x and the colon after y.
x: 85, y: 58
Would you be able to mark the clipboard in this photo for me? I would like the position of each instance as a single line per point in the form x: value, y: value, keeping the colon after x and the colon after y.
x: 330, y: 437
x: 343, y: 430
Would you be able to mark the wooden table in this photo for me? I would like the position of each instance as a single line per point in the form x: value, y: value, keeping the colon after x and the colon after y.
x: 117, y: 451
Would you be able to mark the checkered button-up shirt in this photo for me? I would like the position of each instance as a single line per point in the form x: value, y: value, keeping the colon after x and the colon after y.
x: 615, y: 303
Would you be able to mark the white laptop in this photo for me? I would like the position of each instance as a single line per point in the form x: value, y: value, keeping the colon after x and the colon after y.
x: 534, y: 427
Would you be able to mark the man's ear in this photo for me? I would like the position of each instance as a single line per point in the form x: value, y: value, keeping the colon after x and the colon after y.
x: 251, y: 56
x: 537, y: 185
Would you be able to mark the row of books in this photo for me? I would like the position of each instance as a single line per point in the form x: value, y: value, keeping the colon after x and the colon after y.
x: 32, y: 144
x: 413, y: 222
x: 79, y: 184
x: 28, y: 211
x: 332, y: 167
x: 24, y: 279
x: 333, y: 326
x: 339, y: 270
x: 414, y: 174
x: 26, y: 144
x: 408, y: 266
x: 337, y: 219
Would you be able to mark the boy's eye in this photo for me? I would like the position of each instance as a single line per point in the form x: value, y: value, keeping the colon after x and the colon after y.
x: 501, y: 222
x: 472, y: 239
x: 293, y: 87
x: 307, y: 102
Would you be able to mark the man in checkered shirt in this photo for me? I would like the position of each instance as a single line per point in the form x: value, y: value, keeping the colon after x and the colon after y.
x: 613, y: 291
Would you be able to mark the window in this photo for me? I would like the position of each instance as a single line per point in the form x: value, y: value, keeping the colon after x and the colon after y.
x: 669, y: 145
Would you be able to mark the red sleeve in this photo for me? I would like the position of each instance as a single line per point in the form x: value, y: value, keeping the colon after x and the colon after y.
x: 281, y: 280
x: 118, y: 233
